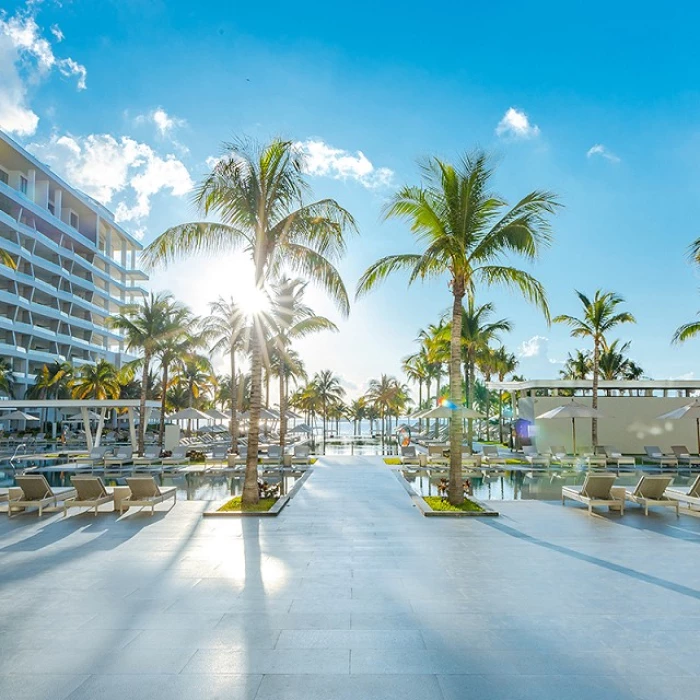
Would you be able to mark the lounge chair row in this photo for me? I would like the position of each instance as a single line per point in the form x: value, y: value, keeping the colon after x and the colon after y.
x: 651, y: 490
x: 86, y: 492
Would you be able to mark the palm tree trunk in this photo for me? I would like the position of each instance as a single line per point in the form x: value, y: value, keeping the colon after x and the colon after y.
x: 437, y: 401
x: 250, y: 486
x: 470, y: 397
x: 233, y: 425
x: 500, y: 414
x: 283, y: 409
x: 142, y: 402
x: 596, y: 361
x: 455, y: 491
x: 164, y: 387
x: 324, y: 425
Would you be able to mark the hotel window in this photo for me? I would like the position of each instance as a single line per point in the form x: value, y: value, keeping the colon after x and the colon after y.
x: 52, y: 208
x: 4, y: 177
x: 23, y: 184
x: 73, y: 219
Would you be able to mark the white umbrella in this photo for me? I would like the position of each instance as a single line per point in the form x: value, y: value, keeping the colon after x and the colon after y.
x: 690, y: 410
x: 17, y: 415
x: 417, y: 414
x: 303, y: 428
x: 216, y: 414
x: 463, y: 413
x: 189, y: 414
x: 572, y: 410
x: 264, y: 415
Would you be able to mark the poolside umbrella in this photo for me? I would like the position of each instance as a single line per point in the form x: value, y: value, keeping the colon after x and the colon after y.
x: 264, y: 415
x: 463, y: 413
x: 572, y: 410
x: 216, y: 414
x: 691, y: 410
x: 17, y: 415
x: 303, y: 428
x: 189, y: 414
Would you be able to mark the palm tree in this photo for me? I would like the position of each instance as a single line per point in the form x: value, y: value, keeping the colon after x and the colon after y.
x: 416, y: 370
x: 257, y: 194
x: 287, y: 366
x: 577, y: 366
x: 357, y: 410
x: 328, y: 391
x: 230, y: 330
x: 435, y: 342
x: 6, y: 377
x: 7, y: 259
x: 145, y: 327
x: 505, y: 363
x: 52, y: 379
x: 294, y: 320
x: 388, y: 396
x: 465, y: 232
x: 477, y: 333
x: 101, y: 381
x: 600, y: 315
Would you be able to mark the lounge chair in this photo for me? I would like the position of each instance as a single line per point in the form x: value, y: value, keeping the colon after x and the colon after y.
x: 178, y: 456
x: 219, y: 453
x: 533, y: 457
x: 656, y: 456
x: 591, y: 458
x: 145, y: 492
x: 91, y: 493
x: 651, y: 491
x: 409, y: 455
x: 274, y: 456
x: 302, y: 455
x: 470, y: 460
x: 491, y: 457
x: 36, y: 492
x: 151, y: 455
x: 595, y: 491
x: 561, y: 457
x: 684, y: 457
x: 690, y: 496
x: 96, y: 456
x: 615, y: 457
x: 123, y: 455
x: 436, y: 455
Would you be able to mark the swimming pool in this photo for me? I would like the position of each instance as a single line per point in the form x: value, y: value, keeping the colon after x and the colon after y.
x: 520, y: 485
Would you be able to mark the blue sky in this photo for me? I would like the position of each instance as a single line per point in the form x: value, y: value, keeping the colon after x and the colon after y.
x: 600, y: 105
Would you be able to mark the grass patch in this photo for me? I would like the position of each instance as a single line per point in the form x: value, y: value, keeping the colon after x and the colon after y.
x: 235, y: 506
x: 393, y: 461
x: 436, y: 503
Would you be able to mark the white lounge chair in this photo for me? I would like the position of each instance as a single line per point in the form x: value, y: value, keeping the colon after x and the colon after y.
x: 533, y: 457
x: 656, y: 456
x: 145, y: 492
x: 91, y: 493
x: 595, y: 491
x: 684, y: 457
x: 409, y: 455
x: 690, y: 496
x: 151, y: 455
x: 122, y: 456
x: 436, y: 455
x: 615, y: 457
x: 219, y: 453
x: 491, y: 457
x: 302, y: 455
x: 651, y: 491
x: 178, y: 456
x: 36, y: 493
x: 561, y: 457
x: 274, y: 456
x: 96, y: 456
x: 591, y: 458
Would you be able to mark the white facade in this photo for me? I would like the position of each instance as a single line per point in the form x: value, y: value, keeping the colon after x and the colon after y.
x: 75, y: 268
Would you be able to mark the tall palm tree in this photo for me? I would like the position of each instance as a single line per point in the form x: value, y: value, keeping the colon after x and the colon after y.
x: 416, y: 370
x: 328, y: 391
x: 294, y: 320
x: 600, y: 315
x: 465, y: 231
x: 145, y: 327
x: 287, y: 366
x: 388, y: 396
x: 257, y: 194
x: 505, y: 363
x: 477, y: 333
x: 101, y: 381
x: 435, y: 341
x: 357, y: 410
x: 577, y: 366
x: 229, y: 328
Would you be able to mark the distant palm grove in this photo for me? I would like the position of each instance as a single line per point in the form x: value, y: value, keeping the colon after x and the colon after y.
x: 256, y: 201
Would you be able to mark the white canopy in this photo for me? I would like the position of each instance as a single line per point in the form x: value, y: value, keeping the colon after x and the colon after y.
x: 572, y: 410
x: 190, y: 414
x: 17, y: 415
x: 216, y: 414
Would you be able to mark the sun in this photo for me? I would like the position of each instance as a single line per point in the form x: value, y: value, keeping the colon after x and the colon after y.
x: 254, y: 301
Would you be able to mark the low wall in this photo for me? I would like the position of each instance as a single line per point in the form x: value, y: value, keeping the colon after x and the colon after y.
x: 629, y: 423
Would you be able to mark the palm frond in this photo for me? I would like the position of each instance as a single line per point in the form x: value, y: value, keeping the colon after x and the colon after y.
x: 530, y: 288
x: 382, y: 268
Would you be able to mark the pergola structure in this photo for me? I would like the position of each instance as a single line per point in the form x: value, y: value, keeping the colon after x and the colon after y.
x: 85, y: 406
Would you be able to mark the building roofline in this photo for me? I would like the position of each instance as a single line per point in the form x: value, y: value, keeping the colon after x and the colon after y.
x: 623, y: 384
x: 86, y: 199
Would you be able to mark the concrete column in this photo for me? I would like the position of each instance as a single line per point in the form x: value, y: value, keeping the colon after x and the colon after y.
x: 86, y: 425
x: 31, y: 186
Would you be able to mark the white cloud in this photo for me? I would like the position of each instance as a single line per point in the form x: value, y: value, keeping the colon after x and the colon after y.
x: 603, y: 152
x: 164, y: 122
x: 27, y: 58
x: 211, y: 162
x: 515, y: 124
x: 685, y: 377
x: 324, y: 160
x: 56, y: 31
x: 116, y: 171
x: 536, y: 346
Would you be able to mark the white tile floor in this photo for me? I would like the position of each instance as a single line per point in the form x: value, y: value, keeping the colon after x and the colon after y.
x: 350, y: 594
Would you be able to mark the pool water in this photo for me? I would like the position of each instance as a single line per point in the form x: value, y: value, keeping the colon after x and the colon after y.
x: 520, y: 485
x: 192, y: 486
x: 349, y: 445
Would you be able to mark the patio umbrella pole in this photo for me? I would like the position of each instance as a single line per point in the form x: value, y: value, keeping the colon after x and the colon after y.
x: 697, y: 423
x: 573, y: 430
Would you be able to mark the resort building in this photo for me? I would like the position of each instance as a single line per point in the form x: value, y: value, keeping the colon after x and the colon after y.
x: 629, y: 410
x: 75, y: 268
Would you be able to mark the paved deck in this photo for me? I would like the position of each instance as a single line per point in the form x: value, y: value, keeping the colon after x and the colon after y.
x: 350, y: 594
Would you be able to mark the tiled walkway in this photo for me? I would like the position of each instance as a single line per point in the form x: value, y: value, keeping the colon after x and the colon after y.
x: 351, y: 594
